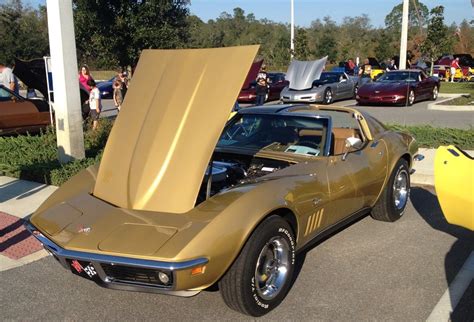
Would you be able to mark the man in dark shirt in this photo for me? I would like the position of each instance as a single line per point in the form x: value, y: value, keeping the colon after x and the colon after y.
x: 262, y: 86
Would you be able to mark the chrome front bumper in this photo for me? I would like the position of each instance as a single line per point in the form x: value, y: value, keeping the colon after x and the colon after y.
x: 65, y: 256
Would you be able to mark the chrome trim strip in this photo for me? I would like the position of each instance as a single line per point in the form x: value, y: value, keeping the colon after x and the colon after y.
x: 110, y: 259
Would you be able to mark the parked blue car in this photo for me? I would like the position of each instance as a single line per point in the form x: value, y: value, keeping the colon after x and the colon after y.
x: 105, y: 88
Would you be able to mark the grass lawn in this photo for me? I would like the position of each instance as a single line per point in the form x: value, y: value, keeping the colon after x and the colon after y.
x: 464, y: 100
x: 457, y: 88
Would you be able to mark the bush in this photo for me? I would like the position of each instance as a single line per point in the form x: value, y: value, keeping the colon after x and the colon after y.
x: 34, y: 157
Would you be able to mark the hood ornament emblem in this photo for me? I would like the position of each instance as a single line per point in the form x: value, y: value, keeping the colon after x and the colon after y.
x: 376, y: 92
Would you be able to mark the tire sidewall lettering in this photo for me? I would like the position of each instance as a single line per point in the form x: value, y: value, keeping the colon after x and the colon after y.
x: 259, y: 301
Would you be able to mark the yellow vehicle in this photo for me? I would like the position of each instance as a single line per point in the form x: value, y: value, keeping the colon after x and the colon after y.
x: 376, y: 68
x: 454, y: 184
x: 184, y: 198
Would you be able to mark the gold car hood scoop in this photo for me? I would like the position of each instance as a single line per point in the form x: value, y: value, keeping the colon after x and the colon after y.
x: 168, y: 126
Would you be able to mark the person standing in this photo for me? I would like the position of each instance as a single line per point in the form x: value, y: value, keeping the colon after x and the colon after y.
x: 454, y: 66
x: 392, y: 65
x: 8, y: 79
x: 95, y: 103
x: 118, y: 98
x: 350, y: 67
x: 123, y: 83
x: 84, y: 77
x: 262, y: 86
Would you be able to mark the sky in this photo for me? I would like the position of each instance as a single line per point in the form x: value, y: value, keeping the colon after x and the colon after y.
x: 309, y: 10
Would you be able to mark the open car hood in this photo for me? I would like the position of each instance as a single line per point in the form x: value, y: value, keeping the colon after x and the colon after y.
x: 301, y: 74
x: 169, y: 124
x: 33, y: 74
x: 253, y: 72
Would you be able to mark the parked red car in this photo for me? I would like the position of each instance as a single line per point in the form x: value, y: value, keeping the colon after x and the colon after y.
x: 443, y: 65
x: 401, y: 87
x: 277, y: 84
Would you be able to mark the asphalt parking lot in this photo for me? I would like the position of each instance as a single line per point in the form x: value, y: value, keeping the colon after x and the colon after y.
x: 369, y: 271
x: 417, y: 114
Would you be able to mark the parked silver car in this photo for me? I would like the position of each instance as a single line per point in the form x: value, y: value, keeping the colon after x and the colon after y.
x: 330, y: 86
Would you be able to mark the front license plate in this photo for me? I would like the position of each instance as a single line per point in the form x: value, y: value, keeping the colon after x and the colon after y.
x: 83, y: 268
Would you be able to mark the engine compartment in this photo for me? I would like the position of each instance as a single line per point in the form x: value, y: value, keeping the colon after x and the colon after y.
x: 229, y: 169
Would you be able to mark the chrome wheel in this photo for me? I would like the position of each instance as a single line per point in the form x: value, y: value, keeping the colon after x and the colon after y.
x: 272, y: 268
x: 328, y: 97
x: 435, y: 93
x: 411, y: 97
x: 400, y: 189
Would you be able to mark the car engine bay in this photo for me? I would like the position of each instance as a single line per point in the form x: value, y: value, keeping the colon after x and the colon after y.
x: 230, y: 169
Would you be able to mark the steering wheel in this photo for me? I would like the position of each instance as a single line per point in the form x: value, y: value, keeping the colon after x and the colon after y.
x: 309, y: 144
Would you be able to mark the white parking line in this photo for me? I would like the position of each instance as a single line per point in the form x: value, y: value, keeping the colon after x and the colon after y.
x: 450, y: 299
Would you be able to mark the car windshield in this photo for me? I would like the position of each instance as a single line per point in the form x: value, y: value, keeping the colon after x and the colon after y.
x: 327, y: 78
x: 395, y: 77
x: 278, y: 133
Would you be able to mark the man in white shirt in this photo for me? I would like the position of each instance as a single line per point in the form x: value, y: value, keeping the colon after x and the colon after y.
x: 7, y: 78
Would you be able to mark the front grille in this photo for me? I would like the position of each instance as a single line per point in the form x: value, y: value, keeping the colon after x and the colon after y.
x: 136, y: 275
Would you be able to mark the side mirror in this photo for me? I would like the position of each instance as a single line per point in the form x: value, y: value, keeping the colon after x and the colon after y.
x: 352, y: 143
x: 343, y: 80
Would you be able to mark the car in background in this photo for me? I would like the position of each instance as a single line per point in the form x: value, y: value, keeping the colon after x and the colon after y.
x: 106, y: 88
x: 401, y: 87
x: 377, y: 68
x: 330, y: 86
x: 276, y: 85
x: 19, y: 115
x: 442, y: 67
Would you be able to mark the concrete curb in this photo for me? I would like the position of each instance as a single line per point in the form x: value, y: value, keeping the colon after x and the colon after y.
x: 455, y: 108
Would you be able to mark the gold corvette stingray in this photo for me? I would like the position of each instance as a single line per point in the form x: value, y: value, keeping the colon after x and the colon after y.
x: 184, y: 199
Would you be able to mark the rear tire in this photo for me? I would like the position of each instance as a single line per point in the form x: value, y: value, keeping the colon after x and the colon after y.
x: 262, y: 274
x: 394, y: 198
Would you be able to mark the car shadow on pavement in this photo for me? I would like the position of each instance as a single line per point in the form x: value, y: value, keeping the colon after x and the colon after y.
x: 18, y: 189
x: 427, y: 205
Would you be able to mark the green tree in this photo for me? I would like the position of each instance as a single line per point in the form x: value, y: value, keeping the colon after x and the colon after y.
x: 418, y: 14
x: 327, y: 46
x: 301, y: 44
x: 17, y: 39
x: 437, y: 41
x: 113, y: 32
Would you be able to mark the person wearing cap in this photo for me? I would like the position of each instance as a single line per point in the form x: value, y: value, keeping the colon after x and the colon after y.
x: 261, y: 88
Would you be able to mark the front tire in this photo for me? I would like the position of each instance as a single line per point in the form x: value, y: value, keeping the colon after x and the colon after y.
x: 434, y: 93
x: 261, y: 276
x: 411, y: 97
x: 328, y: 96
x: 393, y: 200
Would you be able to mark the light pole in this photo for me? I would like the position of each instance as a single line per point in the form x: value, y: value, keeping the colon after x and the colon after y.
x: 292, y: 29
x: 67, y: 101
x: 404, y: 37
